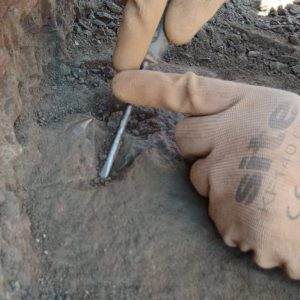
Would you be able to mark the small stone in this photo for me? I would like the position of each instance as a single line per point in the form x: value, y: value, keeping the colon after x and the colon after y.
x: 111, y: 25
x: 75, y: 73
x: 103, y: 16
x: 44, y: 236
x: 236, y: 39
x: 253, y: 53
x: 65, y: 69
x: 46, y: 252
x: 37, y: 240
x: 113, y: 7
x: 273, y: 12
x: 294, y: 10
x: 98, y: 23
x: 95, y: 71
x: 293, y: 39
x: 70, y: 78
x: 108, y: 72
x: 109, y: 32
x: 83, y: 25
x: 88, y: 33
x: 296, y: 70
x: 281, y: 11
x: 135, y: 132
x: 76, y: 43
x: 15, y: 285
x: 245, y: 37
x: 76, y: 29
x: 288, y: 59
x: 278, y: 66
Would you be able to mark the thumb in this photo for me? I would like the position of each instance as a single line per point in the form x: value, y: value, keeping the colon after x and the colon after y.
x: 185, y: 93
x: 140, y: 20
x: 200, y: 177
x: 185, y: 18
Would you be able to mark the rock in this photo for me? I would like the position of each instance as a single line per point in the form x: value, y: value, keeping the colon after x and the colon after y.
x: 15, y: 285
x: 107, y: 72
x: 254, y: 54
x: 294, y: 9
x: 245, y: 37
x: 293, y: 39
x: 84, y: 26
x: 235, y: 38
x: 104, y: 17
x: 76, y: 28
x: 296, y: 70
x: 113, y: 7
x: 288, y: 59
x: 278, y: 66
x: 112, y: 25
x: 281, y: 11
x: 98, y: 23
x: 109, y: 32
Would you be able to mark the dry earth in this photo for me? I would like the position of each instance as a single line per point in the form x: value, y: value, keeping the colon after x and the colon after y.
x: 146, y: 235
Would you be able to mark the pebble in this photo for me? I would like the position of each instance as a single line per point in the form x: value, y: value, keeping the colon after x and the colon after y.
x: 293, y: 39
x: 281, y: 11
x: 98, y: 23
x: 15, y: 285
x: 75, y: 73
x: 253, y: 53
x: 113, y: 7
x: 278, y: 66
x: 296, y: 70
x: 288, y: 59
x: 76, y: 29
x: 76, y: 43
x: 103, y: 16
x: 294, y: 10
x: 46, y: 252
x: 111, y: 25
x: 107, y: 72
x: 109, y: 32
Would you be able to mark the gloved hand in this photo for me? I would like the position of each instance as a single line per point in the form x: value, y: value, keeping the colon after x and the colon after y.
x: 141, y: 18
x: 245, y: 141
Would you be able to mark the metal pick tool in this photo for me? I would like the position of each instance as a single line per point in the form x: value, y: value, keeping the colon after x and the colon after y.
x: 156, y: 51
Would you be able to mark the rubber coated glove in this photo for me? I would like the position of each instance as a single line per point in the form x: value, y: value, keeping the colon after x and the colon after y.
x: 245, y: 141
x: 141, y: 18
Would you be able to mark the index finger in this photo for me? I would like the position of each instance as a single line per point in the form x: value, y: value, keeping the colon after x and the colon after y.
x: 185, y: 93
x: 140, y: 20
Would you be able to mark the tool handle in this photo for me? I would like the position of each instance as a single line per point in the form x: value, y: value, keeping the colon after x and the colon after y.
x: 156, y: 51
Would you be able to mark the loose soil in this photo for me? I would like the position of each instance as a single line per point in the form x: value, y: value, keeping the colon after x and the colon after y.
x: 146, y: 234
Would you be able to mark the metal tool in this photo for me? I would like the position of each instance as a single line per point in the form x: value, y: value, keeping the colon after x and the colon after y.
x: 156, y: 51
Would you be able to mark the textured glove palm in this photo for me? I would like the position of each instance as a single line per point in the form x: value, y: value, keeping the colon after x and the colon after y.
x: 245, y: 142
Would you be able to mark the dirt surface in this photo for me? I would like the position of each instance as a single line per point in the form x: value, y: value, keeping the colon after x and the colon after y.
x: 146, y: 234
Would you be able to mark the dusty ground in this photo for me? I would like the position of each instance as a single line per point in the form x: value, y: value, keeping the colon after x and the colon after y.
x: 146, y: 235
